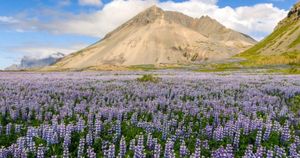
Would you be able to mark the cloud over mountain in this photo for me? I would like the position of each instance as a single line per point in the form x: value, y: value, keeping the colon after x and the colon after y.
x: 257, y: 21
x: 28, y: 62
x: 90, y: 2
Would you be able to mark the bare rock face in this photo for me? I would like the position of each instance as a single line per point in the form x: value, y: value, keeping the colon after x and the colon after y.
x: 295, y: 11
x: 158, y: 37
x: 293, y: 16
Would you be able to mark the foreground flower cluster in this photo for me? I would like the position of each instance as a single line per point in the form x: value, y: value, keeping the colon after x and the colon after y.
x: 185, y: 114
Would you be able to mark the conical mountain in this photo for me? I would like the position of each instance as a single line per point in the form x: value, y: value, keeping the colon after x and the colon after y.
x: 156, y: 37
x: 280, y: 47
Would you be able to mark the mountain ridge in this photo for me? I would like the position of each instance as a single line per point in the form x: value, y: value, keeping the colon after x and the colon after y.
x: 155, y: 36
x: 30, y: 62
x: 155, y: 12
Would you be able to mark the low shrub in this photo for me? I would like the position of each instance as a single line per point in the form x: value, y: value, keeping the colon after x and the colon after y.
x: 148, y: 78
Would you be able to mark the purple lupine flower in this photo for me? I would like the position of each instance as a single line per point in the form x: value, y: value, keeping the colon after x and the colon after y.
x: 229, y: 151
x: 80, y: 150
x: 197, y: 153
x: 198, y: 143
x: 66, y: 153
x: 205, y: 144
x: 293, y: 150
x: 297, y: 140
x: 260, y: 152
x: 157, y: 150
x: 270, y: 154
x: 285, y: 134
x: 183, y: 151
x: 40, y: 152
x: 279, y: 152
x: 169, y: 149
x: 8, y: 129
x: 132, y: 145
x: 91, y: 153
x: 98, y: 127
x: 67, y: 140
x: 18, y: 128
x: 111, y: 151
x: 149, y: 141
x: 267, y: 132
x: 89, y: 139
x: 249, y: 152
x: 122, y: 147
x: 80, y: 125
x: 219, y: 153
x: 23, y: 154
x: 139, y: 148
x: 218, y: 134
x: 118, y: 128
x: 258, y: 138
x: 236, y: 140
x: 54, y: 139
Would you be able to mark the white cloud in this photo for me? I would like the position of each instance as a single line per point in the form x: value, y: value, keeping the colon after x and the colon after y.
x: 98, y: 23
x: 252, y: 20
x: 257, y: 21
x: 90, y: 2
x: 63, y: 3
x: 7, y: 20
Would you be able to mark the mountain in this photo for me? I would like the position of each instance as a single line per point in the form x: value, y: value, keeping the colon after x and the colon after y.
x: 12, y: 67
x: 158, y: 37
x: 31, y: 62
x: 280, y: 47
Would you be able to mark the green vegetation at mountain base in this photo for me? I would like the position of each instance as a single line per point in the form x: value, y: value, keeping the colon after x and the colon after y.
x: 288, y: 58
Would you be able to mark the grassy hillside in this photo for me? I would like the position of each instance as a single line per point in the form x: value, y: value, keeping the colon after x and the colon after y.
x: 271, y: 39
x: 280, y: 48
x: 289, y: 55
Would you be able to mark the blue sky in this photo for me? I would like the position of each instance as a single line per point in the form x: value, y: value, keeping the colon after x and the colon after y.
x: 41, y: 27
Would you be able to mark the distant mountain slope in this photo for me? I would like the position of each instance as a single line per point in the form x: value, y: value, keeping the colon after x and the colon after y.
x: 160, y: 37
x: 282, y: 46
x: 31, y: 62
x: 13, y: 67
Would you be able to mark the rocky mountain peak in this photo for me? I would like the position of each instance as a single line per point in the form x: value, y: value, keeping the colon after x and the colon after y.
x: 293, y: 16
x: 295, y: 11
x: 155, y: 37
x: 153, y: 10
x: 206, y: 18
x: 149, y: 15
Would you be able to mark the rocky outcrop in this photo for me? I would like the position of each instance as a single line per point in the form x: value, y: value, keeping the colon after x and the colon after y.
x: 292, y: 17
x: 295, y: 11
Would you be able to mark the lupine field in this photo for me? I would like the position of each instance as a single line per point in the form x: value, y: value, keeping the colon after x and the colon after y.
x: 181, y: 114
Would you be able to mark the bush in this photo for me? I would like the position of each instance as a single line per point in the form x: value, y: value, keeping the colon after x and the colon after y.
x: 293, y: 70
x: 148, y: 78
x: 295, y: 104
